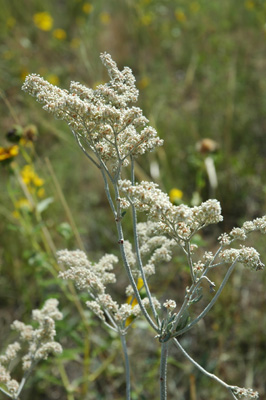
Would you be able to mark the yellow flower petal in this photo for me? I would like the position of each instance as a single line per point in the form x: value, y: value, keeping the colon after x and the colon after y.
x: 59, y: 34
x: 140, y: 283
x: 43, y: 21
x: 175, y: 195
x: 8, y: 152
x: 37, y: 181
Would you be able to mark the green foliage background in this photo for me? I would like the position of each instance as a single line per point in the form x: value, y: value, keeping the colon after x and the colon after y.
x: 200, y: 68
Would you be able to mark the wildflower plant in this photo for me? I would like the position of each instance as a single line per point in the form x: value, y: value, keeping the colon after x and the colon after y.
x: 38, y: 343
x: 113, y: 133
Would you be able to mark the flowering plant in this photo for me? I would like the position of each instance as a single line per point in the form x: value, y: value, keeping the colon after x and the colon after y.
x: 113, y: 133
x: 40, y: 344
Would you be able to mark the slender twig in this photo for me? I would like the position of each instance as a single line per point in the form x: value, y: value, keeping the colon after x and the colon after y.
x: 189, y: 258
x: 127, y: 367
x: 136, y: 240
x: 24, y: 379
x: 84, y: 150
x: 108, y: 194
x: 163, y: 371
x: 212, y: 376
x: 127, y: 267
x: 6, y: 393
x: 212, y: 302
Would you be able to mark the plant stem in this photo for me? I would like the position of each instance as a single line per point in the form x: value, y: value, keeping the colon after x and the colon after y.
x: 163, y: 371
x: 136, y: 240
x: 5, y: 392
x: 212, y: 376
x: 127, y: 367
x: 212, y: 302
x: 127, y: 268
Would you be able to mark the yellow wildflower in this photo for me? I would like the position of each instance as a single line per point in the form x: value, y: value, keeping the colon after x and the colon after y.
x: 27, y: 174
x: 87, y: 8
x: 59, y: 34
x: 180, y: 15
x: 140, y: 283
x: 30, y: 177
x: 139, y: 286
x: 37, y: 181
x: 134, y: 302
x: 105, y: 18
x: 8, y: 152
x: 43, y: 21
x: 175, y: 195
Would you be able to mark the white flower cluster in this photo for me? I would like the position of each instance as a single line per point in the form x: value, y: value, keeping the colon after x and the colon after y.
x: 169, y: 304
x: 247, y: 256
x: 198, y: 268
x: 154, y: 249
x: 104, y: 117
x: 93, y: 278
x: 245, y: 394
x: 258, y: 224
x: 40, y: 342
x: 86, y: 275
x: 181, y: 222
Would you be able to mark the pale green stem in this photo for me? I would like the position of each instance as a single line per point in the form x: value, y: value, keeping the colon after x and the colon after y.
x: 190, y: 263
x: 127, y: 267
x: 163, y: 371
x: 108, y: 194
x: 117, y: 215
x: 136, y: 240
x: 212, y: 302
x: 212, y: 376
x: 127, y: 367
x: 24, y: 379
x: 84, y: 150
x: 6, y: 393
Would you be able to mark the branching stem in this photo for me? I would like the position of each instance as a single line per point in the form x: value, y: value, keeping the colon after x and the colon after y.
x: 163, y: 371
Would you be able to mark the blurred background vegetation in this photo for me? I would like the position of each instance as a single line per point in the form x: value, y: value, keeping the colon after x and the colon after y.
x: 200, y: 68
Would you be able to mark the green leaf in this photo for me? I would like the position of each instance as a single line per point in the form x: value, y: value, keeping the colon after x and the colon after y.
x: 44, y: 204
x: 184, y: 320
